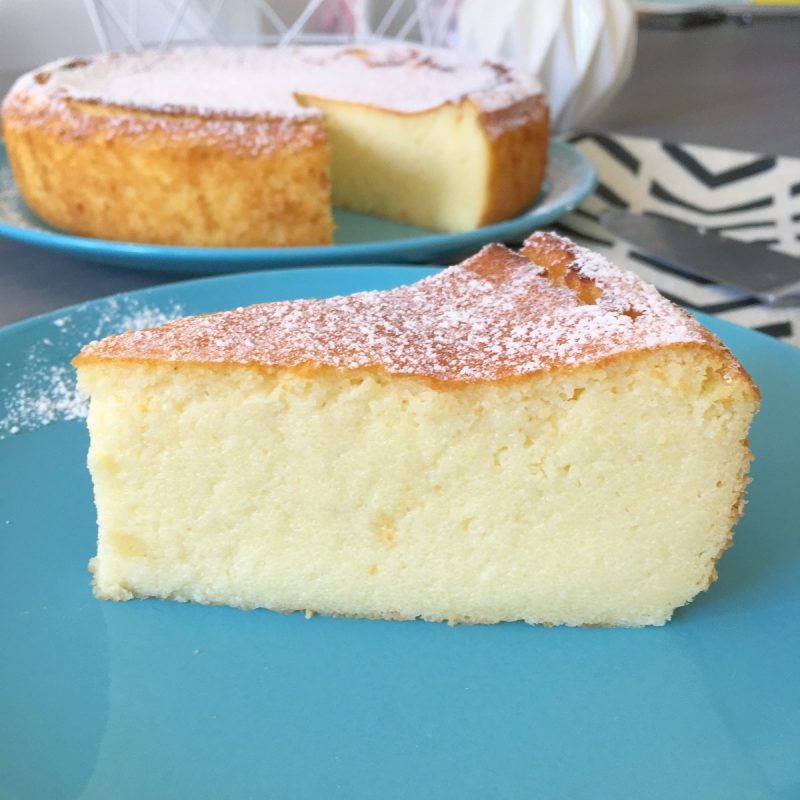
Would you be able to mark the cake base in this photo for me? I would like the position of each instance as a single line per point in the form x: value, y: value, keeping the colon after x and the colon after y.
x: 150, y: 178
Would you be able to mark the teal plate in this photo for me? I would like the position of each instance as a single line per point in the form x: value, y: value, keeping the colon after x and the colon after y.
x: 360, y: 238
x: 153, y: 699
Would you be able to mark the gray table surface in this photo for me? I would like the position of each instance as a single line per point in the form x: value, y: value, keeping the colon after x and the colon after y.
x: 724, y: 85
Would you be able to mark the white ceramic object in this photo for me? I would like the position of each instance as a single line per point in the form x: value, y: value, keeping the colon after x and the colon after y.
x: 581, y: 49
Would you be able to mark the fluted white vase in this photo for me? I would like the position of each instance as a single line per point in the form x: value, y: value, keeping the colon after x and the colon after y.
x: 581, y: 49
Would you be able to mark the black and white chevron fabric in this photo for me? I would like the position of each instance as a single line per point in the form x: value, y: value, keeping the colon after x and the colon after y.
x: 746, y: 196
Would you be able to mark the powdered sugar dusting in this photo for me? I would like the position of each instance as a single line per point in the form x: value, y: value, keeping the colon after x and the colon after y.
x: 252, y: 81
x: 46, y: 396
x: 45, y: 390
x: 494, y: 316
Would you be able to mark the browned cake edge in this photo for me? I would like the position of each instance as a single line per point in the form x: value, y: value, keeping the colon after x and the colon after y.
x: 557, y: 276
x: 108, y: 173
x: 517, y: 139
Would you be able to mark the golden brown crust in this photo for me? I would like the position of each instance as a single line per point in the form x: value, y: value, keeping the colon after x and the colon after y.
x: 517, y: 139
x: 562, y: 260
x: 113, y: 174
x: 498, y: 316
x: 81, y: 120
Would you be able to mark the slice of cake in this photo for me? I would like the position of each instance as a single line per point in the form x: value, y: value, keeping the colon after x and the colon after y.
x: 533, y: 436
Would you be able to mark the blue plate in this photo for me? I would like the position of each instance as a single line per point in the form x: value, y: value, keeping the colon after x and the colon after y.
x: 153, y: 699
x: 360, y: 238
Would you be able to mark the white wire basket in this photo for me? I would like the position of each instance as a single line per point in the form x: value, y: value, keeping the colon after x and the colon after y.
x: 140, y: 24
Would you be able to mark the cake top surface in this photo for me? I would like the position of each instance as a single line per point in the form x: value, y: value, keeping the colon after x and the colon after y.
x: 252, y: 81
x: 500, y: 314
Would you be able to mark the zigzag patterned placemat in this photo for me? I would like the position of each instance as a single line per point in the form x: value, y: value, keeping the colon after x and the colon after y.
x: 747, y: 196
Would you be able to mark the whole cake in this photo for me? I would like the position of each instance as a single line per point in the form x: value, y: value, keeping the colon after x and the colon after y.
x: 221, y: 146
x: 533, y: 436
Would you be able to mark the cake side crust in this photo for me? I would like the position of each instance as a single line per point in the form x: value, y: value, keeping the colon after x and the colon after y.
x: 517, y: 146
x: 205, y: 182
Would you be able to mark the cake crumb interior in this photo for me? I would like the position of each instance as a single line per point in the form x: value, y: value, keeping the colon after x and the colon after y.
x: 593, y: 496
